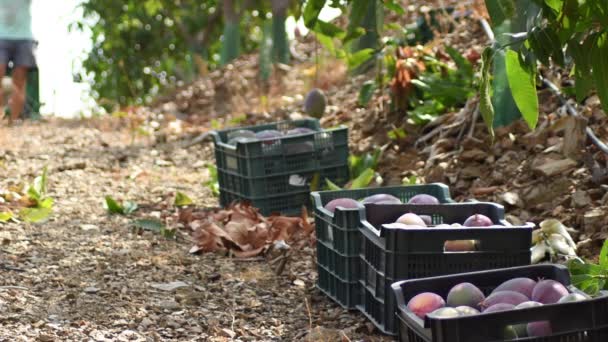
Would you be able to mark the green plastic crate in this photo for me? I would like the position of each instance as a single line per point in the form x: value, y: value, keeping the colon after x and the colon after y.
x: 276, y: 175
x: 279, y: 196
x: 340, y: 230
x: 340, y: 233
x: 282, y: 156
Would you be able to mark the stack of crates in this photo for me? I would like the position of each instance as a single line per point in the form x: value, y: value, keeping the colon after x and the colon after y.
x: 339, y: 238
x: 276, y: 175
x: 387, y: 255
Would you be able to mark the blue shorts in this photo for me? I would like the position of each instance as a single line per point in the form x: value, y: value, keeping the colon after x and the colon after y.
x: 19, y: 51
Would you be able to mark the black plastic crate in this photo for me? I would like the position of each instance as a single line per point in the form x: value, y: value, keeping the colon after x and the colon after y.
x: 342, y: 265
x: 340, y: 230
x: 571, y: 322
x: 343, y: 292
x: 378, y: 302
x: 397, y: 254
x: 284, y: 155
x: 280, y: 196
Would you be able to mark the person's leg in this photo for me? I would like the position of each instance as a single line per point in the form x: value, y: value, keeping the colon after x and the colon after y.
x: 2, y: 74
x: 18, y: 98
x: 4, y: 58
x: 23, y: 61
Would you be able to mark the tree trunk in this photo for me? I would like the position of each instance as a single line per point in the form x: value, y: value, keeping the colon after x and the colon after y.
x: 280, y: 43
x: 231, y: 40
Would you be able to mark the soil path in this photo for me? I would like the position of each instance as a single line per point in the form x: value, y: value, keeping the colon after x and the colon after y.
x: 85, y: 275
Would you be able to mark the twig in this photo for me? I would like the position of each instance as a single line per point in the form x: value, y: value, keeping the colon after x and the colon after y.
x: 474, y: 121
x: 11, y: 287
x: 281, y: 266
x: 571, y: 111
x: 344, y: 335
x: 11, y: 268
x: 309, y: 314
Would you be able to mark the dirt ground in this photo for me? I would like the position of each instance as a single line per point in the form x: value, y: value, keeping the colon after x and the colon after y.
x: 85, y: 275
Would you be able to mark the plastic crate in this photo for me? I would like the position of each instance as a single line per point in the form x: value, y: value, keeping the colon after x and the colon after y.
x: 571, y: 322
x: 342, y: 265
x: 280, y: 194
x: 343, y: 292
x: 340, y: 230
x: 379, y: 305
x: 282, y: 156
x: 397, y: 254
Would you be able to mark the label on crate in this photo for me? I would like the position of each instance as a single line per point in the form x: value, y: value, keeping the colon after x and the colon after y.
x: 297, y: 180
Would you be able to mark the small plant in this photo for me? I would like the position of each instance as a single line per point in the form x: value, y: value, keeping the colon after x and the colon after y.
x: 114, y: 208
x: 39, y: 205
x: 362, y: 170
x: 213, y: 183
x: 590, y: 277
x: 182, y: 200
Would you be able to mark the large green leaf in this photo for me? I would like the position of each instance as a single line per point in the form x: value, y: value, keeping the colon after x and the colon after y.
x: 364, y: 179
x: 599, y: 61
x: 332, y: 186
x: 604, y: 256
x: 485, y: 90
x: 328, y: 29
x: 34, y: 215
x: 311, y: 12
x: 583, y: 80
x: 522, y: 81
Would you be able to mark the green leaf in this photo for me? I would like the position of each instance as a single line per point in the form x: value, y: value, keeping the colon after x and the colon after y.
x: 356, y: 59
x: 332, y: 186
x: 366, y: 93
x: 412, y: 180
x: 555, y: 5
x: 46, y: 203
x: 485, y: 96
x: 522, y: 81
x: 328, y: 44
x: 364, y: 179
x: 604, y: 256
x: 461, y: 63
x: 328, y: 29
x: 35, y: 215
x: 182, y: 200
x: 311, y: 12
x: 5, y: 216
x: 583, y: 80
x: 396, y: 134
x: 113, y: 207
x: 129, y: 207
x: 599, y: 61
x: 358, y: 9
x: 394, y: 6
